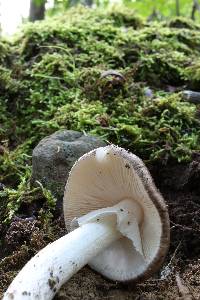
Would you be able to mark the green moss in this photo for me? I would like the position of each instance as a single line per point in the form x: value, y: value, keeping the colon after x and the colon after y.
x: 125, y: 17
x: 51, y: 78
x: 12, y: 199
x: 5, y: 50
x: 192, y: 73
x: 14, y: 162
x: 181, y: 22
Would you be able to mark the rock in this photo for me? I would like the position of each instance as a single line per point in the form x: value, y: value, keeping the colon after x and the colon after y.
x: 191, y: 96
x: 54, y: 156
x: 2, y: 186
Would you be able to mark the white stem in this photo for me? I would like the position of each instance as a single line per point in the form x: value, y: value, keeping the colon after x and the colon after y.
x: 46, y: 272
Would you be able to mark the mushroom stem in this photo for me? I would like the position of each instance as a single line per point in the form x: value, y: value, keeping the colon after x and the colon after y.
x: 45, y: 273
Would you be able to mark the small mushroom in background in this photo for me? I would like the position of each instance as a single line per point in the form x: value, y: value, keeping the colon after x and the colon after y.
x: 119, y: 223
x: 112, y: 73
x: 113, y: 78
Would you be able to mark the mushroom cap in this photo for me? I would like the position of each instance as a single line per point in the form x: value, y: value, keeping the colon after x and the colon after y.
x: 102, y: 178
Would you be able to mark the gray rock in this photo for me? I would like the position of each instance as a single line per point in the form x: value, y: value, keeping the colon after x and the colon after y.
x: 54, y: 156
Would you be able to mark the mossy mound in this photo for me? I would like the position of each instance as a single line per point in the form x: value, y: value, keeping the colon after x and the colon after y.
x: 56, y: 63
x: 107, y: 73
x: 180, y: 22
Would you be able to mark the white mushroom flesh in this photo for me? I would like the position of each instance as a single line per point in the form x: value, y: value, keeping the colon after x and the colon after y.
x: 107, y: 177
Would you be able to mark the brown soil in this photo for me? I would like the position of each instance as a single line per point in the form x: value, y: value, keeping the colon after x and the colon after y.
x: 180, y: 186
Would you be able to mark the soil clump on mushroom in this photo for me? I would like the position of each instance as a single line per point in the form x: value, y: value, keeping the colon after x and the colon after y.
x: 51, y: 78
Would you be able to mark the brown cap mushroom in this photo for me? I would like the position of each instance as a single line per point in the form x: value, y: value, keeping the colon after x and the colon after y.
x: 103, y: 178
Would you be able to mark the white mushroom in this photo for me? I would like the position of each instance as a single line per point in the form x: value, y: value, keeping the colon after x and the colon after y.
x: 122, y: 220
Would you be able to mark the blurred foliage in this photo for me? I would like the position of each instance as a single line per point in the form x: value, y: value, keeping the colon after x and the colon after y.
x: 149, y: 9
x: 161, y: 8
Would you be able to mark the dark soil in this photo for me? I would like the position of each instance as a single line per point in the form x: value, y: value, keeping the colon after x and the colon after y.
x: 180, y: 186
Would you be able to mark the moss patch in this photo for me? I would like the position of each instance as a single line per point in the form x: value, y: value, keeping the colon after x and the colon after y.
x: 54, y: 81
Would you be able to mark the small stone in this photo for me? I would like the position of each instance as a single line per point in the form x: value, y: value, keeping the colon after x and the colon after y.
x: 55, y: 155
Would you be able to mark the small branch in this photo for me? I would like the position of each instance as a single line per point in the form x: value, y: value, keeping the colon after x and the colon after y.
x: 185, y: 227
x: 193, y: 97
x: 153, y: 16
x: 177, y: 8
x: 168, y: 269
x: 37, y: 10
x: 193, y: 12
x: 183, y: 289
x: 195, y: 7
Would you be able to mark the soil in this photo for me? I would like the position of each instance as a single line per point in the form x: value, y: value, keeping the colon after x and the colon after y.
x: 180, y: 186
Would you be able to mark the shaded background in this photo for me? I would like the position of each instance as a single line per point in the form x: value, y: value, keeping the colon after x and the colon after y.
x: 13, y: 13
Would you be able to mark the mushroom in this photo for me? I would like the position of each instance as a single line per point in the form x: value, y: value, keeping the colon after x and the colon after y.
x: 119, y: 223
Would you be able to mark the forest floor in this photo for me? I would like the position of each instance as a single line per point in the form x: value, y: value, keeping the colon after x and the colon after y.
x: 179, y: 185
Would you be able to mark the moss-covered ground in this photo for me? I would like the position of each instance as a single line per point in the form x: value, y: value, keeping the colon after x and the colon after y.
x: 107, y: 73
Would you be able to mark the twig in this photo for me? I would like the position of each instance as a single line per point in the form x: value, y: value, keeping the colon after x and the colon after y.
x: 168, y: 269
x: 185, y: 227
x: 177, y: 8
x: 193, y: 97
x: 195, y: 7
x: 154, y: 15
x: 174, y: 254
x: 183, y: 289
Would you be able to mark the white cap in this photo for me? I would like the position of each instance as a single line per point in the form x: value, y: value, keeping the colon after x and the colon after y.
x: 101, y: 179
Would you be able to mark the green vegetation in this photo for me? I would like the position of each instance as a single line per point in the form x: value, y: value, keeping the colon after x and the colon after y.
x: 51, y: 78
x: 150, y: 9
x: 162, y: 9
